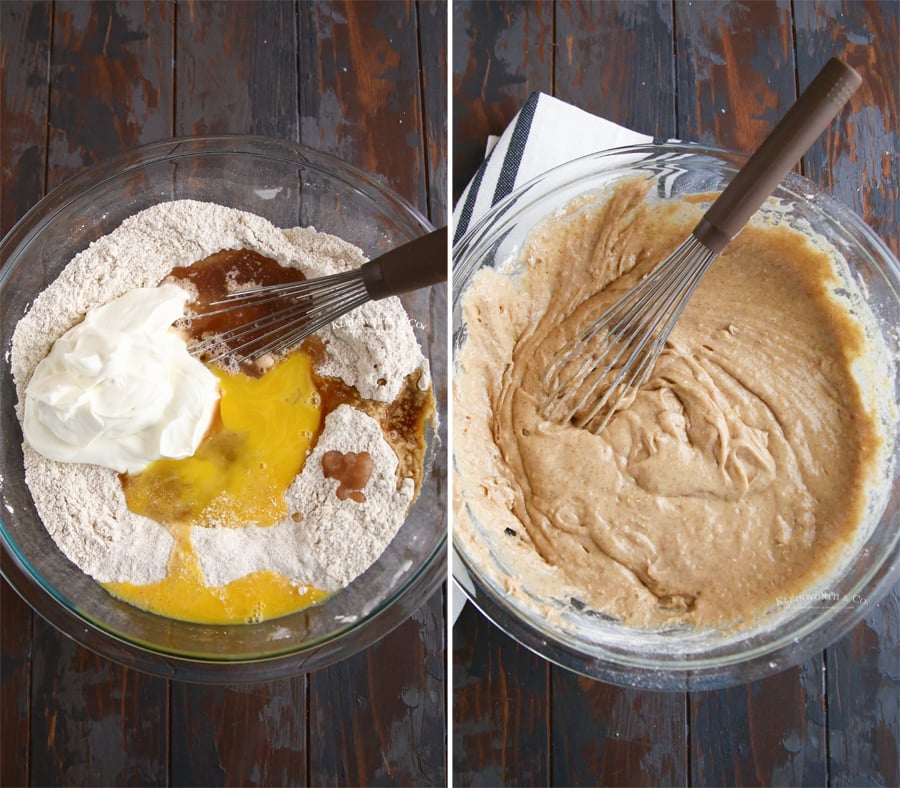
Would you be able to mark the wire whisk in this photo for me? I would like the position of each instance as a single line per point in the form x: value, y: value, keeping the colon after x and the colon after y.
x: 598, y: 371
x: 312, y: 304
x: 616, y: 353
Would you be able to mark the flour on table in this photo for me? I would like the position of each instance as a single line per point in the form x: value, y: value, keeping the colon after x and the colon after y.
x: 83, y: 506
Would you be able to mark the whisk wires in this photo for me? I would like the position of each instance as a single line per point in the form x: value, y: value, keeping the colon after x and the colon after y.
x: 634, y: 330
x: 595, y: 373
x: 307, y: 307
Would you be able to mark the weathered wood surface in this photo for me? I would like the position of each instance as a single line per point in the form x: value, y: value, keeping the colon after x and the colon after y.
x: 502, y: 51
x: 860, y: 166
x: 721, y: 73
x: 501, y: 694
x: 81, y: 81
x: 23, y: 144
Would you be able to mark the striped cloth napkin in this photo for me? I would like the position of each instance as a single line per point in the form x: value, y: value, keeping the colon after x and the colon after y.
x: 545, y: 133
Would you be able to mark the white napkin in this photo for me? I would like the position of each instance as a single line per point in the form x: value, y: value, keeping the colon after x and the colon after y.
x: 545, y: 133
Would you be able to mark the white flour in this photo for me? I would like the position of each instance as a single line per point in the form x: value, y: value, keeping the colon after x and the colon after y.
x: 328, y: 542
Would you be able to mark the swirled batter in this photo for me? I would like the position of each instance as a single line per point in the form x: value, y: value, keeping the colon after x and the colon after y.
x: 736, y: 474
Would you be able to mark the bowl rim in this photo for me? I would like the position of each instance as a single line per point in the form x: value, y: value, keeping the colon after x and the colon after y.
x: 159, y: 660
x: 679, y: 675
x: 723, y: 156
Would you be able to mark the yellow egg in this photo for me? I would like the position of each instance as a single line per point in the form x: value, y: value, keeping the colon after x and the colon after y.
x: 237, y: 477
x: 184, y: 595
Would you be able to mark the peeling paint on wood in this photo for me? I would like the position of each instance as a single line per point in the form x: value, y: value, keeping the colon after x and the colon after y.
x: 502, y: 51
x: 859, y: 159
x: 237, y: 69
x: 109, y: 90
x: 501, y: 697
x: 635, y: 32
x: 252, y: 734
x: 600, y: 731
x: 360, y: 94
x: 93, y: 722
x: 735, y: 71
x: 379, y: 716
x: 432, y: 27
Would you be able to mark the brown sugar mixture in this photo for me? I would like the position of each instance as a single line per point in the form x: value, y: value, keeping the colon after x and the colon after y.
x: 737, y: 473
x: 214, y: 277
x: 247, y: 527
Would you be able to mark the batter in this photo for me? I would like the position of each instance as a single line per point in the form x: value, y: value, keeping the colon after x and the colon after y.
x: 739, y: 470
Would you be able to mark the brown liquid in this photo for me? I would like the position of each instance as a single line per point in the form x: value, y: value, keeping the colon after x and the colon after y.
x: 222, y: 273
x: 352, y: 471
x: 403, y: 424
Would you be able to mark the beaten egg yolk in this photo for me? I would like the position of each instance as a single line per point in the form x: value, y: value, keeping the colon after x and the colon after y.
x: 237, y: 477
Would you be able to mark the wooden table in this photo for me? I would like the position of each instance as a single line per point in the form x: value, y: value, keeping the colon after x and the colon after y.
x: 718, y: 73
x: 81, y: 81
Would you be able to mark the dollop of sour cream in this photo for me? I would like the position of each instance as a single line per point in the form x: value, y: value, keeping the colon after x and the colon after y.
x: 120, y: 388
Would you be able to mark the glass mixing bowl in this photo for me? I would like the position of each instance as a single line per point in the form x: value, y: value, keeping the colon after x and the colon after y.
x: 681, y: 658
x: 289, y: 185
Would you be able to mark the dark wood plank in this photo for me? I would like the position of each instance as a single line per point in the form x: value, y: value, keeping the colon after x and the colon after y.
x: 770, y: 732
x: 500, y: 705
x: 735, y: 71
x: 237, y: 68
x: 249, y: 734
x: 502, y: 51
x: 432, y: 27
x: 378, y: 717
x: 360, y: 95
x: 735, y: 79
x: 94, y: 722
x: 598, y: 734
x: 24, y: 71
x: 15, y: 686
x: 24, y: 76
x: 111, y: 78
x: 615, y: 59
x: 857, y: 160
x: 606, y: 735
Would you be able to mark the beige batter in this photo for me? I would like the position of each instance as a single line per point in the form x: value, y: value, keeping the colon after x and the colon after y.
x: 736, y: 474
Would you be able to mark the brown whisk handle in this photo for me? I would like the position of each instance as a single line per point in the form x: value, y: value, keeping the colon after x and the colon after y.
x: 413, y: 265
x: 780, y: 151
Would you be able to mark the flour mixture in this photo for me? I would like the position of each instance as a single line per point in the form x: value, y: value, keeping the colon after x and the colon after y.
x: 223, y: 492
